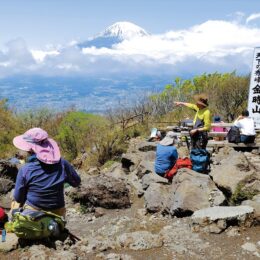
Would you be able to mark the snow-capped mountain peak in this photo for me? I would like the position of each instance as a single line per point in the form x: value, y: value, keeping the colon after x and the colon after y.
x: 114, y: 34
x: 124, y: 31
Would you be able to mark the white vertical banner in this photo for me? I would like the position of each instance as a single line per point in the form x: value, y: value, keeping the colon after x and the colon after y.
x: 254, y: 90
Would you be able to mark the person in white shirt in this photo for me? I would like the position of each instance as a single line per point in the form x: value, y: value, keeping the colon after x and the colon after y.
x: 247, y: 127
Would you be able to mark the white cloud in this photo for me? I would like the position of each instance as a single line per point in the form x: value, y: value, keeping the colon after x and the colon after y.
x: 210, y: 46
x: 40, y: 55
x: 252, y: 17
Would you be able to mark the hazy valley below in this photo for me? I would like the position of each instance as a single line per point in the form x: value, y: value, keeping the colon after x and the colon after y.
x: 92, y: 94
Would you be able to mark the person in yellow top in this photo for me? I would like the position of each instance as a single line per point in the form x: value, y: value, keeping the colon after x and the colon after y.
x: 201, y: 122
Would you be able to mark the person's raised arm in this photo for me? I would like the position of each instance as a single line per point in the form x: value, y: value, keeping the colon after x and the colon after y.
x: 178, y: 103
x: 192, y: 106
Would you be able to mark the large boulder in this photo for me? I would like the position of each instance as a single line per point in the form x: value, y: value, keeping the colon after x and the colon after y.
x: 149, y: 156
x: 217, y: 219
x: 147, y: 146
x: 236, y: 177
x: 115, y: 171
x: 8, y: 169
x: 5, y: 185
x: 102, y: 191
x: 156, y: 197
x: 192, y: 191
x: 10, y: 244
x: 150, y: 178
x: 254, y: 203
x: 130, y: 161
x: 5, y: 201
x: 144, y: 167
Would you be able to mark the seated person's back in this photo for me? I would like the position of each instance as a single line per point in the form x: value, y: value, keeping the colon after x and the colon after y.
x: 40, y: 182
x: 246, y: 126
x: 166, y: 154
x: 217, y: 120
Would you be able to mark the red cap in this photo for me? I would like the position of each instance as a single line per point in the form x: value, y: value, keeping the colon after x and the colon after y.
x: 2, y: 214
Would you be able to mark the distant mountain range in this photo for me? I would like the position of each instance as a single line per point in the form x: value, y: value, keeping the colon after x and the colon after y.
x: 114, y: 34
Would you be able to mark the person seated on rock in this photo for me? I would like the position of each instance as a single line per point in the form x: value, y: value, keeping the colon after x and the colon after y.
x: 220, y: 129
x: 246, y: 126
x: 40, y: 182
x: 166, y: 154
x: 155, y: 135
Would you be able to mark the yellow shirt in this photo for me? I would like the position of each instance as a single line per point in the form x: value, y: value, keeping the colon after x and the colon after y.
x: 202, y: 118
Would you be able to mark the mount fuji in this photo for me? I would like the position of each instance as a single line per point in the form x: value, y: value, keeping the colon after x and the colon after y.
x: 114, y: 34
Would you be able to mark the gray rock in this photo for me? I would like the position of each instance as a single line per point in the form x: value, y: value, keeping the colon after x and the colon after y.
x: 130, y: 161
x: 113, y: 256
x: 254, y: 203
x: 10, y: 244
x: 145, y: 167
x: 147, y: 146
x: 232, y: 231
x: 249, y: 247
x: 36, y: 252
x: 217, y: 219
x: 68, y: 255
x: 192, y: 191
x: 5, y: 185
x: 140, y: 240
x: 156, y: 197
x: 115, y: 171
x: 135, y: 184
x: 102, y: 191
x: 149, y: 156
x: 236, y: 177
x: 5, y: 201
x: 152, y: 178
x: 8, y: 169
x: 93, y: 171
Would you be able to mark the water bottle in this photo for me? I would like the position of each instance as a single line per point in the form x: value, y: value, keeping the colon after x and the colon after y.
x: 3, y: 235
x: 54, y: 228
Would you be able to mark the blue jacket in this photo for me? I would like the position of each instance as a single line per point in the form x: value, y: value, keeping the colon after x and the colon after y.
x: 166, y: 157
x: 41, y: 185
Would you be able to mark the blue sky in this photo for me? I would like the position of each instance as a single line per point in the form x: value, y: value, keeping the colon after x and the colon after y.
x: 59, y: 21
x: 186, y: 37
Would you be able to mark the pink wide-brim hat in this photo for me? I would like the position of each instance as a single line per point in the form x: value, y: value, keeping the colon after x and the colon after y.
x: 37, y: 141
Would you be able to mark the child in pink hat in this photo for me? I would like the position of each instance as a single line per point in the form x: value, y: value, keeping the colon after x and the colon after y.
x: 40, y: 182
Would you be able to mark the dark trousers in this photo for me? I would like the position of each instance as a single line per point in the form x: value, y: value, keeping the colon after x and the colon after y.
x: 247, y: 138
x: 199, y: 140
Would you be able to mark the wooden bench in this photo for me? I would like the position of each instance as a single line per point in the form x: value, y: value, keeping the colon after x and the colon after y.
x: 212, y: 143
x: 212, y: 125
x: 210, y: 134
x: 218, y: 144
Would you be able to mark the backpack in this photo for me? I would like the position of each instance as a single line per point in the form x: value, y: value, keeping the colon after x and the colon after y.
x: 233, y: 135
x: 3, y: 217
x: 180, y: 163
x: 32, y: 224
x: 200, y: 159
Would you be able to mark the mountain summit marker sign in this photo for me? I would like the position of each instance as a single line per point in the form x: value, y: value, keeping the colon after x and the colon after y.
x: 254, y: 89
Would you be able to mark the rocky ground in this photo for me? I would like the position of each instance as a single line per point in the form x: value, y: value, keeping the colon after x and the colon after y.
x: 128, y: 212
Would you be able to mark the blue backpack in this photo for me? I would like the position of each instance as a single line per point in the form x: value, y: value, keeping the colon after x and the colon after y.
x: 200, y: 159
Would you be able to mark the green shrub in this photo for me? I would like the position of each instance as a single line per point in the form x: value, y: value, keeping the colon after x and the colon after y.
x: 9, y: 128
x: 77, y: 131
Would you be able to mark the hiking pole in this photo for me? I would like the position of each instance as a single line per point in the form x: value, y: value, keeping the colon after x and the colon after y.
x: 187, y: 142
